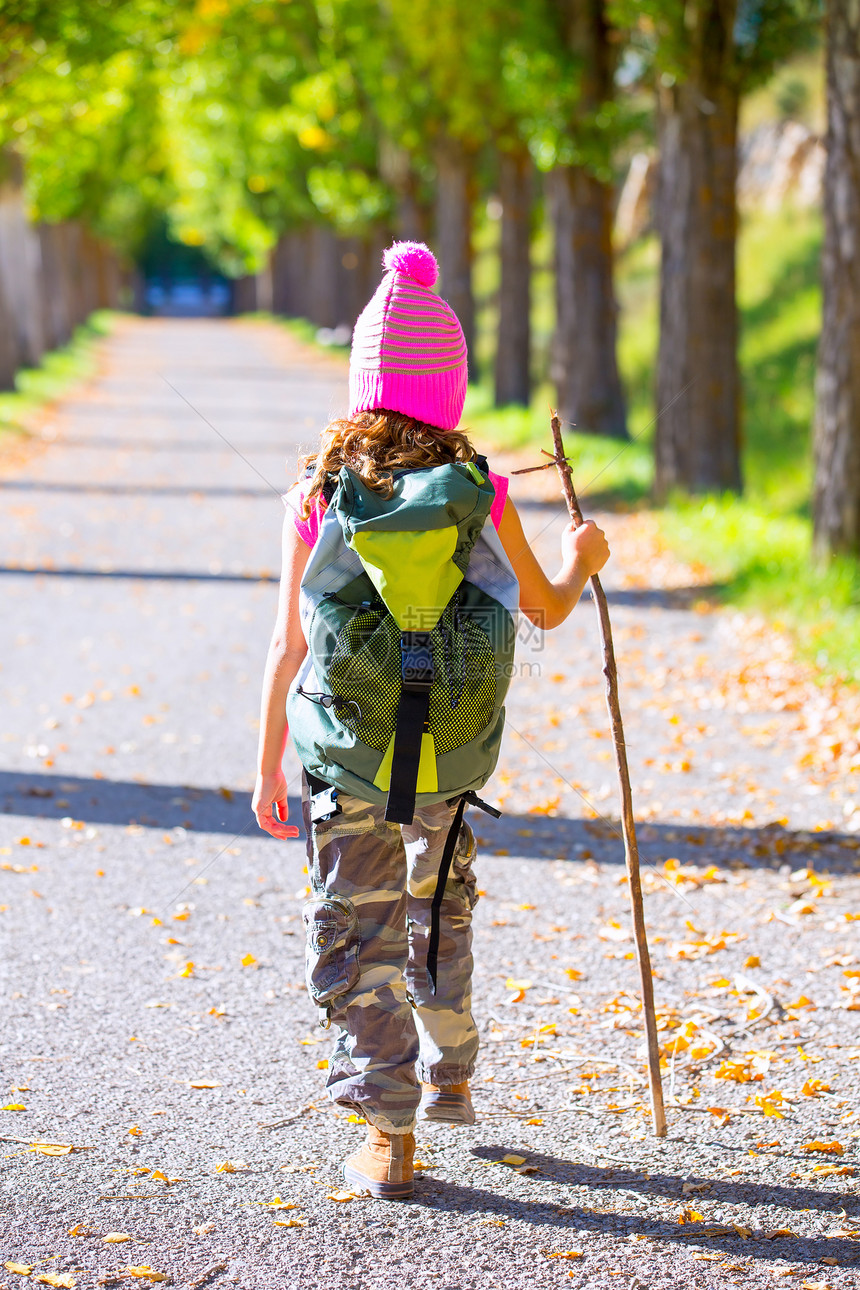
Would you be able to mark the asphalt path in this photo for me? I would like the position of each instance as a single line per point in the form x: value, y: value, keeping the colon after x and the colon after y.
x: 154, y: 1021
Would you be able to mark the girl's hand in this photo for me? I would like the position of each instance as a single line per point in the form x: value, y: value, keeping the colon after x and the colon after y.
x: 584, y: 548
x: 270, y: 805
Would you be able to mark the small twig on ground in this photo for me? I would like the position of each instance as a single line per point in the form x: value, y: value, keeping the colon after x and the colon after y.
x: 206, y: 1275
x: 288, y: 1119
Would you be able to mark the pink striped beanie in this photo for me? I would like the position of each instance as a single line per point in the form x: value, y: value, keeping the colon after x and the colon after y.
x: 408, y: 349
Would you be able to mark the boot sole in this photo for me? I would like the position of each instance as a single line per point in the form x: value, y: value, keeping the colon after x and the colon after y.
x: 378, y: 1190
x: 450, y: 1113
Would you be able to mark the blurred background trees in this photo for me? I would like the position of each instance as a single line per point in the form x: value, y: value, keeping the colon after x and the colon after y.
x: 562, y: 157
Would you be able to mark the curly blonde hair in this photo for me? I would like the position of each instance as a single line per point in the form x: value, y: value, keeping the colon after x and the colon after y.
x: 374, y: 445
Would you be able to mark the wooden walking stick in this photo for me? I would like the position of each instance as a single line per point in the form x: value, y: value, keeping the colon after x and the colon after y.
x: 628, y: 825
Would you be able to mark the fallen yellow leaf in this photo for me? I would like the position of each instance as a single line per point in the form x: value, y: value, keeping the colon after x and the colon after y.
x: 21, y: 1269
x: 188, y: 970
x: 51, y: 1148
x: 62, y: 1279
x: 230, y: 1166
x: 738, y: 1072
x: 826, y: 1171
x: 341, y: 1196
x: 688, y: 1215
x: 13, y: 1106
x: 513, y: 1160
x: 135, y: 1131
x: 248, y: 960
x: 566, y: 1254
x: 145, y: 1272
x: 116, y: 1238
x: 290, y: 1222
x: 813, y: 1087
x: 204, y: 1083
x: 829, y: 1148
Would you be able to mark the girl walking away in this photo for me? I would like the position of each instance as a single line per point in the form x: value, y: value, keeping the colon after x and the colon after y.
x: 404, y: 566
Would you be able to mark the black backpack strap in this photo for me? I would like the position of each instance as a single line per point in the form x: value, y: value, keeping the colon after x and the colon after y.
x: 439, y: 895
x: 481, y: 463
x: 416, y: 678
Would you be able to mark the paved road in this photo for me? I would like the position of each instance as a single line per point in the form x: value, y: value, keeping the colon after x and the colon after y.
x: 137, y: 574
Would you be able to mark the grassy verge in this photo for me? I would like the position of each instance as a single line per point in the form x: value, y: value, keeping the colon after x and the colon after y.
x: 60, y: 368
x: 761, y: 562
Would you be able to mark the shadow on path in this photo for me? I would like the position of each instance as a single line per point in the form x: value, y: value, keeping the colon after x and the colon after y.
x: 152, y: 575
x: 132, y: 490
x: 124, y: 802
x: 435, y: 1192
x: 39, y: 795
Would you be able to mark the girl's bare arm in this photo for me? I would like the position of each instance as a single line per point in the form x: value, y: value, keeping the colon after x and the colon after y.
x: 548, y: 601
x: 286, y: 651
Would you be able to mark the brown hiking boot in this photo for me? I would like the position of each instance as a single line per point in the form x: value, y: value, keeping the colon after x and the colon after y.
x: 451, y: 1103
x: 383, y: 1166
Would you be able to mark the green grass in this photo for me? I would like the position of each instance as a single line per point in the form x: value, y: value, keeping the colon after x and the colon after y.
x: 303, y: 330
x: 59, y: 369
x: 762, y: 563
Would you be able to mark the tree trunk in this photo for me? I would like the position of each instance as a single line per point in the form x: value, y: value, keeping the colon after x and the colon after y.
x: 585, y: 365
x: 698, y: 383
x: 290, y: 274
x: 353, y: 274
x: 836, y: 506
x: 56, y: 323
x: 9, y: 356
x: 413, y: 218
x: 513, y: 349
x: 324, y: 304
x: 454, y: 199
x: 20, y: 264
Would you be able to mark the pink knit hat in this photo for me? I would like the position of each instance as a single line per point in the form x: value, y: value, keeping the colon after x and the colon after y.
x: 408, y: 349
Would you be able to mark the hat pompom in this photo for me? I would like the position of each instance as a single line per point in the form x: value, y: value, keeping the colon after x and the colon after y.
x: 414, y: 259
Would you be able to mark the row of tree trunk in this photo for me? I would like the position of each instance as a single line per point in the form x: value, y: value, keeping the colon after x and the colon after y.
x: 52, y: 277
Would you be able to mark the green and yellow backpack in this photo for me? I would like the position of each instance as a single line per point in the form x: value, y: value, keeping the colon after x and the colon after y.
x: 408, y: 606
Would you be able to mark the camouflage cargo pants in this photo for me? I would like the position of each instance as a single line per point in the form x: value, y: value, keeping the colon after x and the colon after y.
x: 367, y: 924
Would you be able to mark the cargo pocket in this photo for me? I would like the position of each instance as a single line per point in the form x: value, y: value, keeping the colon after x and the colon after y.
x: 462, y: 873
x: 332, y: 943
